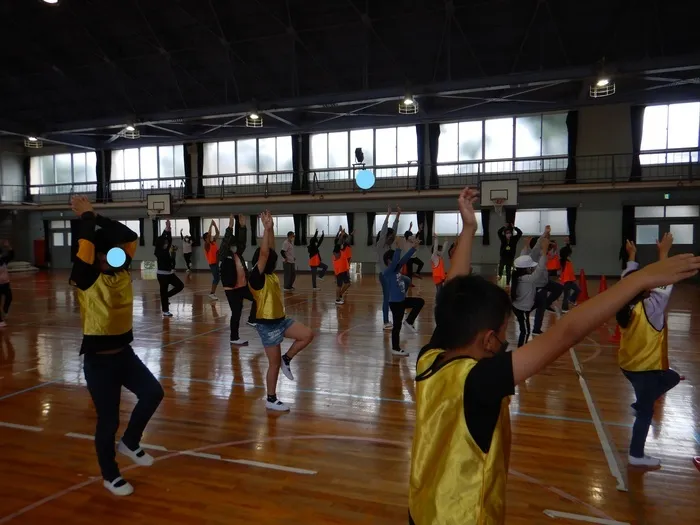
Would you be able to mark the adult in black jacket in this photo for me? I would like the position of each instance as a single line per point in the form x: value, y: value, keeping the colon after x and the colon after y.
x: 166, y: 272
x: 509, y: 236
x: 234, y: 277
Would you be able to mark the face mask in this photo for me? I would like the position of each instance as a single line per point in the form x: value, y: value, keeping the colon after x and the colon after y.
x: 503, y: 346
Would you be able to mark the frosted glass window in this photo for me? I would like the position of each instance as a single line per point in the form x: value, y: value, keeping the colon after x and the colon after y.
x: 79, y: 168
x: 58, y: 225
x: 555, y: 134
x: 166, y: 162
x: 446, y: 224
x: 529, y: 222
x: 554, y: 218
x: 178, y: 161
x: 404, y: 221
x: 63, y: 168
x: 682, y: 233
x: 227, y: 157
x: 499, y: 138
x: 284, y: 153
x: 338, y: 150
x: 35, y: 171
x: 247, y: 156
x: 406, y: 145
x: 386, y: 146
x: 448, y: 143
x: 648, y: 212
x: 58, y: 239
x: 471, y: 140
x: 647, y: 233
x: 683, y: 125
x: 319, y: 151
x: 528, y: 136
x: 149, y: 163
x: 362, y: 138
x: 654, y: 125
x: 267, y: 153
x: 131, y: 164
x: 91, y: 166
x: 682, y: 211
x: 283, y: 225
x: 48, y: 175
x: 211, y: 159
x: 317, y: 222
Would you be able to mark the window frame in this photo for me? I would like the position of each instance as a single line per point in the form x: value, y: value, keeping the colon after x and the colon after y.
x: 666, y: 155
x: 56, y: 188
x: 160, y: 181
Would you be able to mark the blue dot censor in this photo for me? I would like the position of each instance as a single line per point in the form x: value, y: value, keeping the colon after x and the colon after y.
x: 364, y: 179
x: 116, y: 257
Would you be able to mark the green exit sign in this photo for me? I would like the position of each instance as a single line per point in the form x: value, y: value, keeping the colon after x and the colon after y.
x: 667, y: 196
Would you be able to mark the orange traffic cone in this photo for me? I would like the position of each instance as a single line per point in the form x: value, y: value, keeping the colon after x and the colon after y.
x: 603, y: 284
x: 583, y: 285
x: 615, y: 338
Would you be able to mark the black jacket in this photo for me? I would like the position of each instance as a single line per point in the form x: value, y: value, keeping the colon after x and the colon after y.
x: 162, y: 252
x: 227, y: 265
x: 509, y: 246
x: 315, y: 245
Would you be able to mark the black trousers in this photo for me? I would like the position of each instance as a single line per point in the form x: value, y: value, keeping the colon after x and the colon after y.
x: 523, y: 324
x: 6, y: 292
x: 544, y: 299
x: 105, y: 375
x: 315, y: 270
x: 235, y: 301
x: 507, y: 265
x: 165, y: 281
x: 409, y: 266
x: 415, y: 304
x: 290, y: 275
x: 188, y: 260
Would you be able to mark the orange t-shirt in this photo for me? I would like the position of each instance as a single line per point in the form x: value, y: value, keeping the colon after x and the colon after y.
x: 568, y: 275
x: 212, y: 252
x: 315, y: 261
x: 340, y: 264
x: 553, y: 262
x: 347, y: 252
x: 439, y: 274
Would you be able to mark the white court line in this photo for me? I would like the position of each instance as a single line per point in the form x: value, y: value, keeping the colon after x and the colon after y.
x: 21, y: 427
x: 203, y: 455
x: 611, y: 454
x: 24, y: 371
x: 579, y: 517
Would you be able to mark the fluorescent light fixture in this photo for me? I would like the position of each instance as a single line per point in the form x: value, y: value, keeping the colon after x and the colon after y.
x: 53, y: 2
x: 254, y: 116
x: 602, y: 82
x: 32, y: 139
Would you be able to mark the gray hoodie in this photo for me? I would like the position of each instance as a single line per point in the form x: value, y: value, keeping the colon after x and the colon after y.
x: 384, y: 244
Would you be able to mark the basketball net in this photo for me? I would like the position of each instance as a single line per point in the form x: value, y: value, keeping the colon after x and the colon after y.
x: 153, y: 214
x: 498, y: 205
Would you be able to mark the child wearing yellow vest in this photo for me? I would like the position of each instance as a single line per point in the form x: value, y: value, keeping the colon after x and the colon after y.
x: 272, y: 323
x: 643, y: 352
x: 461, y: 443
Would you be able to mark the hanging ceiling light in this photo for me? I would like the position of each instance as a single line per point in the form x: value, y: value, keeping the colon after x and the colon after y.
x: 603, y: 85
x: 52, y: 2
x: 253, y: 120
x: 130, y: 132
x: 408, y: 106
x: 32, y: 142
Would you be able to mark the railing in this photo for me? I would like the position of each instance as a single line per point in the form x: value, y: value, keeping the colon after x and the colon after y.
x: 656, y: 166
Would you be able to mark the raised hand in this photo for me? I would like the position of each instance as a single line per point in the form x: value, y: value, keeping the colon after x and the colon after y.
x: 665, y: 244
x: 266, y: 219
x: 670, y: 270
x: 631, y: 249
x: 80, y: 204
x: 241, y: 219
x: 167, y: 225
x: 466, y: 201
x: 544, y: 244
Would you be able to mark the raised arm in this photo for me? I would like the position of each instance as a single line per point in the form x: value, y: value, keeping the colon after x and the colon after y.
x: 574, y: 326
x: 502, y: 233
x: 216, y: 232
x: 462, y: 257
x: 320, y: 240
x: 267, y: 240
x: 225, y: 248
x: 241, y: 239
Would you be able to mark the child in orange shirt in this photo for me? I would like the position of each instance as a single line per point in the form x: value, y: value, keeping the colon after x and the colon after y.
x: 568, y: 277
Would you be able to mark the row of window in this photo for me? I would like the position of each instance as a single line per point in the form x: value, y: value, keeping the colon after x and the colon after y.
x: 463, y: 146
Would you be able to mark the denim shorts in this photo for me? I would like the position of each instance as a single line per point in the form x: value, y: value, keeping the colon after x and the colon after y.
x: 214, y: 273
x: 272, y: 334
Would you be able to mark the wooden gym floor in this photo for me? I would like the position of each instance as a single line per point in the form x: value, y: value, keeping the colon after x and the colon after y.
x: 342, y: 455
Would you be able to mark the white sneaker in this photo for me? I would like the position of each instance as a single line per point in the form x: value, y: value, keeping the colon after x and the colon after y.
x: 167, y: 314
x: 251, y: 324
x: 287, y: 371
x: 277, y: 406
x: 239, y: 342
x: 400, y: 353
x: 3, y: 324
x: 138, y: 456
x: 125, y: 490
x: 410, y: 326
x: 646, y: 461
x: 213, y: 297
x: 388, y: 326
x: 288, y: 289
x: 315, y: 289
x: 340, y: 301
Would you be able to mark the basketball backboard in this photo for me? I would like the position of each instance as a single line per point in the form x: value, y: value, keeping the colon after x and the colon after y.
x: 492, y: 190
x: 159, y: 204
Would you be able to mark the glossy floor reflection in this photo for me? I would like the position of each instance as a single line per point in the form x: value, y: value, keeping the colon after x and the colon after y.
x: 342, y: 455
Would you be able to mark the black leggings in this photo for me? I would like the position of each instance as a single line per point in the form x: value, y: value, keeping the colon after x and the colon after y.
x: 524, y: 325
x: 397, y: 312
x: 105, y: 374
x: 6, y: 292
x: 188, y: 260
x: 409, y: 266
x: 165, y: 281
x: 507, y: 265
x: 235, y: 301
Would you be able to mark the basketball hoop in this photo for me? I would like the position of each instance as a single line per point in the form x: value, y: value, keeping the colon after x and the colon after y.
x: 498, y: 205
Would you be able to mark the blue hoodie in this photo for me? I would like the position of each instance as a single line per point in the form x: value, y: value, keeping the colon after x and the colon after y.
x: 398, y: 284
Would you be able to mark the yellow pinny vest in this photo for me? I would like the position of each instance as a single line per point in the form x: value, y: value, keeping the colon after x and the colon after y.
x: 269, y: 299
x: 106, y: 308
x: 452, y: 481
x: 642, y: 347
